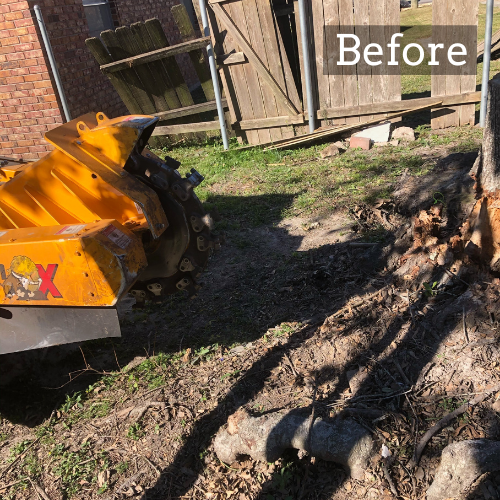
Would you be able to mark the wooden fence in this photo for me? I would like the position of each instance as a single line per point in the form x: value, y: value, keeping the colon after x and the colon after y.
x: 261, y: 68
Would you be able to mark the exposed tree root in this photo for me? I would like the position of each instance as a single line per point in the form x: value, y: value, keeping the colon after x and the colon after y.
x: 266, y: 438
x: 461, y: 465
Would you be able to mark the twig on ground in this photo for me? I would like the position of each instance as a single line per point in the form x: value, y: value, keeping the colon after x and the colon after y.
x: 292, y: 366
x: 39, y: 490
x: 444, y: 422
x: 130, y: 480
x: 466, y: 336
x: 388, y: 477
x: 401, y: 372
x: 7, y: 486
x: 6, y: 469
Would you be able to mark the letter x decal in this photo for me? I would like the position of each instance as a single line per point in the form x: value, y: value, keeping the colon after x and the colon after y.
x: 47, y: 284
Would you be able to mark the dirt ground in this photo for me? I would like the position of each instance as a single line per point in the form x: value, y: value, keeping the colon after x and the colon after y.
x: 345, y: 314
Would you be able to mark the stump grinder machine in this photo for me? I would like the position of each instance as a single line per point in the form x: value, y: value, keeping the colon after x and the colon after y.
x: 97, y: 218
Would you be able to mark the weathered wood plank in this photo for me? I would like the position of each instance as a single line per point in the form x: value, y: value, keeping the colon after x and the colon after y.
x: 151, y: 84
x: 187, y: 128
x: 351, y: 98
x: 274, y: 57
x: 129, y: 75
x: 197, y: 56
x: 380, y: 83
x: 438, y: 82
x: 252, y: 56
x: 278, y: 121
x: 393, y: 106
x: 336, y: 79
x: 362, y: 30
x: 160, y: 42
x: 256, y: 40
x: 290, y: 85
x: 162, y: 53
x: 231, y: 58
x: 393, y: 21
x: 233, y: 79
x: 469, y: 15
x: 161, y: 76
x: 118, y: 80
x: 189, y: 110
x: 321, y: 134
x: 318, y: 55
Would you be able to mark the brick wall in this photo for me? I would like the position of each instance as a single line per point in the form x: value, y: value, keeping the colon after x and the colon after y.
x: 86, y: 88
x: 28, y: 103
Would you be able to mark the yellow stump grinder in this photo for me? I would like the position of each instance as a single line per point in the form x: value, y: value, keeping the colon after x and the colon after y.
x: 95, y: 219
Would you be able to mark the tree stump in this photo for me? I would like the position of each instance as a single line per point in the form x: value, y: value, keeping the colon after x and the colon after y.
x: 482, y: 230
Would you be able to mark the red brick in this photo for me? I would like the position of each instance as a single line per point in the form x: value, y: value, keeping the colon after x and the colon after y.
x: 15, y: 56
x: 28, y: 38
x: 33, y: 78
x: 5, y: 95
x: 7, y: 151
x: 37, y: 69
x: 17, y: 137
x: 43, y: 84
x: 14, y: 123
x: 25, y: 86
x: 7, y: 88
x: 7, y: 145
x: 7, y: 25
x: 24, y: 47
x: 16, y: 79
x: 27, y: 123
x: 34, y: 135
x: 23, y: 22
x: 19, y: 6
x: 25, y: 143
x: 46, y: 121
x: 360, y: 142
x: 11, y: 16
x: 18, y: 31
x: 28, y: 100
x: 4, y: 8
x: 13, y: 40
x: 20, y: 151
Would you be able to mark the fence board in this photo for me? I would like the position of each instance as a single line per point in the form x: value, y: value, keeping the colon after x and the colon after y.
x: 130, y: 77
x: 469, y: 14
x: 336, y: 81
x: 160, y: 41
x: 146, y: 45
x: 152, y: 86
x: 362, y: 19
x: 197, y: 56
x: 256, y: 40
x: 274, y: 57
x: 118, y: 80
x: 456, y: 13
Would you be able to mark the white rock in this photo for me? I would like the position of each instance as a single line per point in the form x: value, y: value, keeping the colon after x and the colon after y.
x: 377, y: 133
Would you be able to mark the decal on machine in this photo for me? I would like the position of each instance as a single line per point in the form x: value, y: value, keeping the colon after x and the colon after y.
x: 71, y: 229
x: 117, y: 237
x: 26, y: 280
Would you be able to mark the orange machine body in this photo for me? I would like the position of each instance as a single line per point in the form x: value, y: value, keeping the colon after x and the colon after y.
x: 70, y: 223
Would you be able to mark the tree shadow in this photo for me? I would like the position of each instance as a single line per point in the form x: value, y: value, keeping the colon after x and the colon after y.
x: 268, y: 249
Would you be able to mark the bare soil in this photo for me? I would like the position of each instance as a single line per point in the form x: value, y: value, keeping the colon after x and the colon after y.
x: 291, y: 315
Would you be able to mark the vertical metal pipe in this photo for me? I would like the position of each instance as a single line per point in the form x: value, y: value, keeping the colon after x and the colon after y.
x: 215, y: 77
x: 53, y: 65
x: 486, y: 61
x: 307, y: 65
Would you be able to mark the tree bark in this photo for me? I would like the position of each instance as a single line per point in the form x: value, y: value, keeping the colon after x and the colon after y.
x: 482, y: 231
x: 461, y: 465
x: 265, y: 439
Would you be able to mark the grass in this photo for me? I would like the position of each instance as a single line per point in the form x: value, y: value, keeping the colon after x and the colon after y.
x: 253, y: 187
